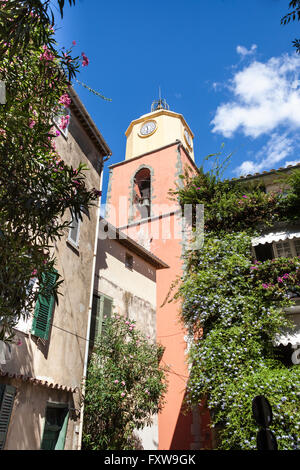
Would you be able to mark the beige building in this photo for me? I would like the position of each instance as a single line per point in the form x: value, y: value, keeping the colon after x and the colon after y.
x: 125, y: 283
x: 40, y: 379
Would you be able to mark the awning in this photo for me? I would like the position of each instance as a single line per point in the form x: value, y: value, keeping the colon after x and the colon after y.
x: 275, y: 237
x: 286, y: 338
x: 290, y: 335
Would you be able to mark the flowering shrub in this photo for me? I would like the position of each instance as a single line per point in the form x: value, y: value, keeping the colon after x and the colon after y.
x: 234, y: 308
x: 124, y: 387
x: 36, y: 186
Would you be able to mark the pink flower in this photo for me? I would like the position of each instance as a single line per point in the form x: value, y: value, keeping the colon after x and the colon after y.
x: 85, y: 60
x: 245, y: 197
x: 286, y: 276
x: 122, y: 394
x: 116, y: 381
x: 64, y: 122
x: 65, y: 100
x: 57, y: 133
x: 32, y: 123
x: 265, y: 286
x: 279, y: 279
x: 123, y: 383
x: 47, y: 56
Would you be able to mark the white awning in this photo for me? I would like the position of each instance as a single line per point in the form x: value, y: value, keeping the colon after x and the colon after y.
x: 275, y: 237
x: 290, y: 335
x: 286, y: 338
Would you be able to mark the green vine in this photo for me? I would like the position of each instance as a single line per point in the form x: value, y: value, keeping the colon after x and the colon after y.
x: 234, y: 307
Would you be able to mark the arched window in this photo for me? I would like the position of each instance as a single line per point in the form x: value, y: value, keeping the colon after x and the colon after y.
x: 142, y: 193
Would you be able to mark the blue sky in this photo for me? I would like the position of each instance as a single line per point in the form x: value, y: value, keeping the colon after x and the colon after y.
x: 227, y: 65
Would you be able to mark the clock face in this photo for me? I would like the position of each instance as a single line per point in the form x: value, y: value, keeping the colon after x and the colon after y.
x: 187, y: 137
x: 148, y: 128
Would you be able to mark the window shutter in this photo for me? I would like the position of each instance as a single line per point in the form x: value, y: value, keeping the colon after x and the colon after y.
x: 44, y: 308
x: 60, y: 445
x: 7, y: 396
x: 102, y: 307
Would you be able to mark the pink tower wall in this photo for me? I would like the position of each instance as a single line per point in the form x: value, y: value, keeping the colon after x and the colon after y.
x: 175, y: 429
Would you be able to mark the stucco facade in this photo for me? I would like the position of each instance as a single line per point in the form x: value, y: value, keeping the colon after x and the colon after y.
x: 51, y: 371
x: 133, y: 293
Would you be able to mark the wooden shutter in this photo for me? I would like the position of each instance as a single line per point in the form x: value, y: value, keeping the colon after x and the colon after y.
x: 7, y: 396
x: 102, y: 308
x: 44, y: 307
x: 60, y: 445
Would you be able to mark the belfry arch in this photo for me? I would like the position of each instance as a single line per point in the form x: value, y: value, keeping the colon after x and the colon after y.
x: 141, y: 193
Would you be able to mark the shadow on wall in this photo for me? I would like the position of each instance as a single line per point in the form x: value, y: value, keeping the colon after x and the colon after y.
x: 118, y: 252
x: 192, y: 431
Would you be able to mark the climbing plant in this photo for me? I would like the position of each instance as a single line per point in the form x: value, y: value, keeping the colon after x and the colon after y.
x: 233, y: 306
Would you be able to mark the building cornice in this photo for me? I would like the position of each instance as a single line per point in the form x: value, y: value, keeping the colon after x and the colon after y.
x: 177, y: 142
x: 79, y: 110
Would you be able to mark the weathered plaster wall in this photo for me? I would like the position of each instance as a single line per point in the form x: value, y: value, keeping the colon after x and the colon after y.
x: 60, y: 359
x: 134, y: 296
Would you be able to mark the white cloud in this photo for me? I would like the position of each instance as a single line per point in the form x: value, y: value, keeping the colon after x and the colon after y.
x: 293, y: 162
x: 276, y: 149
x: 265, y: 96
x: 243, y: 51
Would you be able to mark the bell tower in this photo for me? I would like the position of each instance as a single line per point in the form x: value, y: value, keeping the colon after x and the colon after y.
x: 159, y: 148
x: 156, y: 129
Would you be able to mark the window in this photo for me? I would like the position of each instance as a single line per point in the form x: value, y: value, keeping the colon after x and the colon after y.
x: 74, y: 232
x: 264, y: 252
x: 7, y: 397
x: 62, y: 120
x: 129, y: 261
x: 55, y: 430
x: 142, y: 192
x: 287, y: 248
x: 281, y: 249
x: 101, y: 309
x: 44, y: 307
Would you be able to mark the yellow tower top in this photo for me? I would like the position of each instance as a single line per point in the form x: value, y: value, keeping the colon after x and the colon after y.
x: 157, y: 129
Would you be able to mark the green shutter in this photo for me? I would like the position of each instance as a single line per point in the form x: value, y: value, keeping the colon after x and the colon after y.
x: 106, y: 311
x: 7, y: 396
x: 44, y: 307
x: 60, y: 445
x: 102, y: 307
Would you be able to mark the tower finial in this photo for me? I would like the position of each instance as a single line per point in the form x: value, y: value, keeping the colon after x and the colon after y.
x: 160, y: 103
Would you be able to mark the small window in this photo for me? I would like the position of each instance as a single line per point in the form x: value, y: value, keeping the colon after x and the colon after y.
x: 297, y: 247
x: 264, y: 252
x: 55, y: 430
x: 74, y: 231
x: 281, y: 249
x: 129, y: 261
x: 62, y: 120
x: 287, y: 248
x: 101, y: 309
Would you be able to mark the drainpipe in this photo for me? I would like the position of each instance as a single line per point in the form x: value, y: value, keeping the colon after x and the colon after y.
x: 90, y: 314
